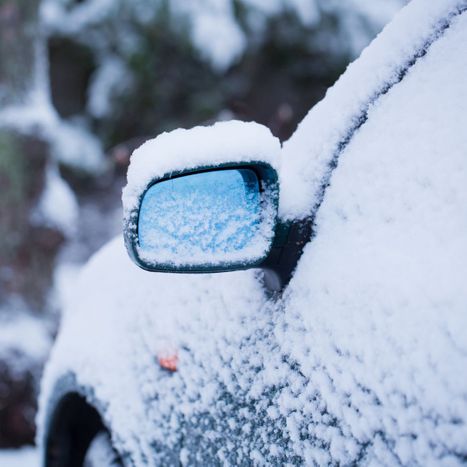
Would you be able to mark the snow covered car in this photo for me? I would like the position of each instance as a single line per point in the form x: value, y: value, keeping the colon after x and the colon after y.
x: 361, y: 357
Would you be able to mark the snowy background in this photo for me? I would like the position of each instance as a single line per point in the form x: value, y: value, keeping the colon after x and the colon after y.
x: 82, y: 83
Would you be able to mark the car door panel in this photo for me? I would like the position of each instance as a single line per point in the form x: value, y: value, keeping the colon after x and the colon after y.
x: 380, y: 291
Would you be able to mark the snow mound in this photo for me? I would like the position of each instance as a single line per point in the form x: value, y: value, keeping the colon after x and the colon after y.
x: 25, y: 457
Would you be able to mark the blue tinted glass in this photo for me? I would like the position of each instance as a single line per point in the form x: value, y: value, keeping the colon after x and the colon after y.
x: 202, y: 217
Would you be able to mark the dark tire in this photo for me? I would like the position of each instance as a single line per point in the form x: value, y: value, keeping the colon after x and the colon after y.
x: 101, y: 453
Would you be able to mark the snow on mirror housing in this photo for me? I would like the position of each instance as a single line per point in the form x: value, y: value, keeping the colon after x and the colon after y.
x: 211, y: 219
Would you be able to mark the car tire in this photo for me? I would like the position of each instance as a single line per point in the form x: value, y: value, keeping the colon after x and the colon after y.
x: 101, y: 453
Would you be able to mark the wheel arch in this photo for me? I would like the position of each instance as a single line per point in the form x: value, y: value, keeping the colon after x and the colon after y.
x: 73, y: 419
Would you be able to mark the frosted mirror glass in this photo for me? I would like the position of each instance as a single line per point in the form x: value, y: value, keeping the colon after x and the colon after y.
x: 203, y: 218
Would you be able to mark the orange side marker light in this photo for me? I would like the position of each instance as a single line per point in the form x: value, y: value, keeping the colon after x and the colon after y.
x: 168, y: 362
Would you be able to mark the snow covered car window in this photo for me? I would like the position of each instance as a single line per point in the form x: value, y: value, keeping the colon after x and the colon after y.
x: 380, y: 291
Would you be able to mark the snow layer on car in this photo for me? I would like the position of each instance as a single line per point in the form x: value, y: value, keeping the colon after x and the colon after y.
x: 120, y: 320
x: 182, y: 149
x: 365, y: 361
x: 309, y: 154
x: 380, y: 291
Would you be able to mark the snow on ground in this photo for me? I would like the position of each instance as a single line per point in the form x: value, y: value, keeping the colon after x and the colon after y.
x: 25, y: 457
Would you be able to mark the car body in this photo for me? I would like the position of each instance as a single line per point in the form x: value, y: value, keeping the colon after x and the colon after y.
x: 361, y: 358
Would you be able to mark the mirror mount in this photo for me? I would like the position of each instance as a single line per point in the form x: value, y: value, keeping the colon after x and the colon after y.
x: 289, y: 242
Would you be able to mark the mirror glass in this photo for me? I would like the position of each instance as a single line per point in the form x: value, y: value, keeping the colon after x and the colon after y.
x: 204, y: 218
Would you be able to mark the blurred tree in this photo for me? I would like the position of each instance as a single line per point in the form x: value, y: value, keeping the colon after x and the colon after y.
x: 18, y: 34
x: 17, y: 399
x: 148, y: 66
x: 27, y: 249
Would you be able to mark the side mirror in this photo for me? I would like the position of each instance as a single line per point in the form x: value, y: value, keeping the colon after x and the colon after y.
x: 210, y: 219
x: 203, y: 200
x: 206, y: 200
